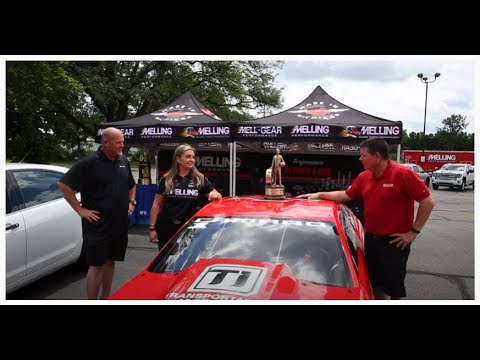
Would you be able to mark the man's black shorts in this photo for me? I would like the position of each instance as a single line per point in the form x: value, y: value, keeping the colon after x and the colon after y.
x: 100, y: 249
x: 387, y: 264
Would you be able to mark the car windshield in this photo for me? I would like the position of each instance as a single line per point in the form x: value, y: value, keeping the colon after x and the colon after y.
x: 454, y: 167
x: 311, y: 249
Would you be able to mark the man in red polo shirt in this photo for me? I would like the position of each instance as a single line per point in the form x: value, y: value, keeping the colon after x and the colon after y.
x: 388, y: 191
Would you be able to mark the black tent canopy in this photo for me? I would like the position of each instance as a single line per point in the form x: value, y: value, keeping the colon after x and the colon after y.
x: 183, y: 120
x: 319, y: 118
x: 319, y: 125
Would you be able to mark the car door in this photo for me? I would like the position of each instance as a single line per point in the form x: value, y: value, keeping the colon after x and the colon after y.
x: 15, y: 239
x: 53, y: 229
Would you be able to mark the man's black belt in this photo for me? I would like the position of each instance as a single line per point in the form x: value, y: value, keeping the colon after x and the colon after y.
x: 378, y: 237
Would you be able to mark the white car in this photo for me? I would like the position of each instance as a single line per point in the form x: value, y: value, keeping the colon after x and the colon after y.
x: 454, y: 175
x: 422, y: 174
x: 43, y: 233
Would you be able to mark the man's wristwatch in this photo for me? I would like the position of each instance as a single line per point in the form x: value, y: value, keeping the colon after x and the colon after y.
x: 151, y: 227
x: 415, y: 230
x: 133, y: 202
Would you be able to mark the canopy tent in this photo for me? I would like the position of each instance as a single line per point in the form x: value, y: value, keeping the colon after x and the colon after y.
x: 319, y: 125
x: 183, y: 120
x: 318, y: 118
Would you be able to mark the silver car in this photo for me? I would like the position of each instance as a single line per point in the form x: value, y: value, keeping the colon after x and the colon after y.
x: 43, y: 233
x: 422, y: 174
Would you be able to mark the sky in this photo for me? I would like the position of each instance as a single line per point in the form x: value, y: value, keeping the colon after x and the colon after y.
x: 388, y: 87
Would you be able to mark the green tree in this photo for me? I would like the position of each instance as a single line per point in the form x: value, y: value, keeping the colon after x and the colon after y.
x: 38, y: 97
x: 452, y: 135
x: 405, y: 140
x: 121, y: 90
x: 53, y: 106
x: 454, y: 124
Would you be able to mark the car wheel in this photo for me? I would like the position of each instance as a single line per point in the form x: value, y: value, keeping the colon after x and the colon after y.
x: 427, y: 182
x: 473, y: 185
x: 462, y: 187
x: 435, y: 186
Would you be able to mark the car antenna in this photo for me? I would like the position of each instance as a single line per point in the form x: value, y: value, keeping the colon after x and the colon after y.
x: 26, y: 155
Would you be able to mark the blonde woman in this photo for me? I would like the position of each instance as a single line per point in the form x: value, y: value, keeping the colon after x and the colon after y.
x: 177, y: 196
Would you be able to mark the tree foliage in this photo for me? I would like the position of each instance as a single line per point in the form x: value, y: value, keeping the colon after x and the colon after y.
x: 454, y: 124
x: 56, y: 104
x: 451, y: 136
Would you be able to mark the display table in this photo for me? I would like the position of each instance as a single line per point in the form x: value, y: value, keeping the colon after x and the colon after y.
x: 144, y: 197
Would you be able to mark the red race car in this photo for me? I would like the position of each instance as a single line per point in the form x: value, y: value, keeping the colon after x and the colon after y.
x: 249, y: 248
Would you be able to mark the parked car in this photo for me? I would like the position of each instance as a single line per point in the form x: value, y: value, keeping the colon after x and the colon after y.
x: 422, y: 174
x: 251, y: 248
x: 43, y: 233
x: 454, y: 175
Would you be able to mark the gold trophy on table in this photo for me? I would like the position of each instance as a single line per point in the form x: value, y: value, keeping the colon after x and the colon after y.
x: 273, y: 178
x: 144, y: 172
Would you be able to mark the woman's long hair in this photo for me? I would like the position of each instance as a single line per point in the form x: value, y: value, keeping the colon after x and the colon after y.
x: 196, y: 175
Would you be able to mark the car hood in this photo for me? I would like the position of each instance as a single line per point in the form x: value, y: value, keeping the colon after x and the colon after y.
x: 230, y: 279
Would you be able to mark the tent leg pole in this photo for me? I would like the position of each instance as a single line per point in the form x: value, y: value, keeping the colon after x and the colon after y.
x: 398, y: 153
x: 230, y: 183
x: 234, y: 168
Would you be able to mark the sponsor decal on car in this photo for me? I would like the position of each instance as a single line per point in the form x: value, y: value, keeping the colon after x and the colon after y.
x: 201, y: 223
x: 200, y: 296
x: 230, y: 279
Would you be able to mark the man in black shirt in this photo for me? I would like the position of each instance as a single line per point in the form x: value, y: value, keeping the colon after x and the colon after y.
x: 107, y: 188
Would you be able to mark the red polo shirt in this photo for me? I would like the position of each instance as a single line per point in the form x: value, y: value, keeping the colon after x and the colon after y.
x: 388, y: 201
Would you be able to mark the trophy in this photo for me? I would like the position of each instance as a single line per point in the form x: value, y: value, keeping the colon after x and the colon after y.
x: 144, y: 172
x: 274, y: 190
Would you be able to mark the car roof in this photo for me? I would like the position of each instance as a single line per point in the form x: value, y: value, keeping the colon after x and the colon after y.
x: 257, y: 205
x: 27, y: 166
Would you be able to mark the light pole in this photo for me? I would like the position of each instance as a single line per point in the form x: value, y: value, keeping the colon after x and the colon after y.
x: 424, y: 79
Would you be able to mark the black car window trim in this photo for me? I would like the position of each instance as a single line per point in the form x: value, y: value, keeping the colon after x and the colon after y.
x: 16, y: 199
x: 349, y: 223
